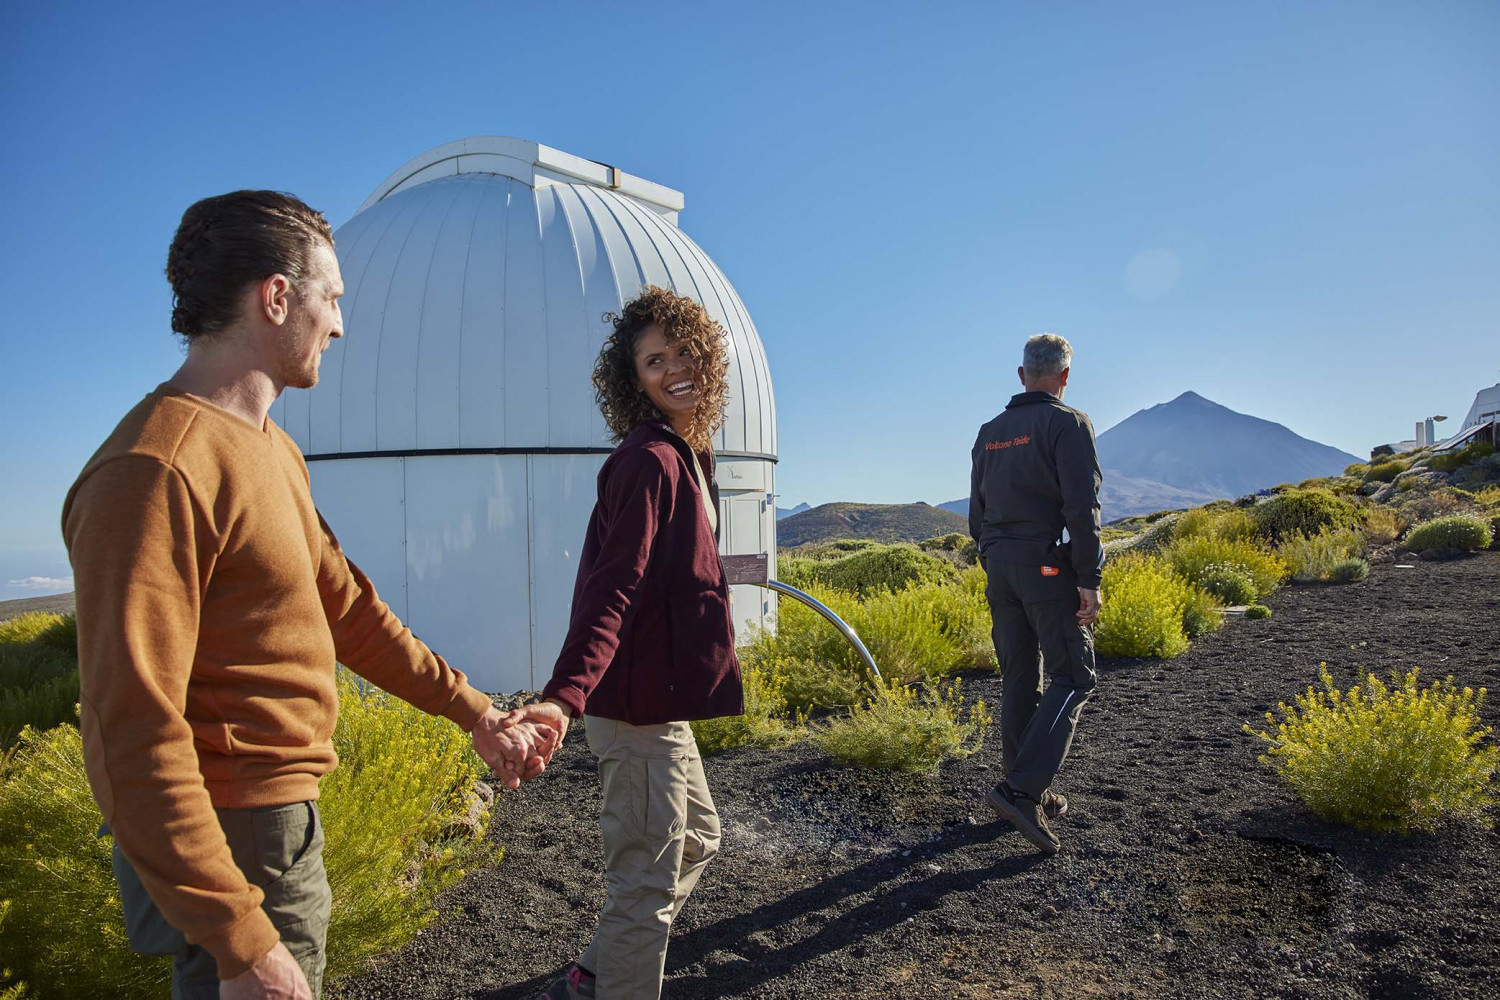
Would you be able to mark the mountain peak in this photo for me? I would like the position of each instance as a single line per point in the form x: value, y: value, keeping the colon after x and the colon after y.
x: 1192, y: 397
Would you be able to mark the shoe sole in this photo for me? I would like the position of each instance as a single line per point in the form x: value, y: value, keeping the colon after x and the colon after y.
x: 1017, y: 819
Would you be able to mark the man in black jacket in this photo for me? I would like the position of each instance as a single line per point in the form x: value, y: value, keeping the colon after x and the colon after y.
x: 1035, y: 473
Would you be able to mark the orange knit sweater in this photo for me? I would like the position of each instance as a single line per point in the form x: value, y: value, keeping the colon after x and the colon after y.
x: 213, y: 602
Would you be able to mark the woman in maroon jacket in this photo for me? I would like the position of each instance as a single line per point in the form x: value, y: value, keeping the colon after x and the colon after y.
x: 649, y: 645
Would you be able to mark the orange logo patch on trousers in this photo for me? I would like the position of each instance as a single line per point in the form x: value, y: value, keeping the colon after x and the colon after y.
x: 1050, y: 571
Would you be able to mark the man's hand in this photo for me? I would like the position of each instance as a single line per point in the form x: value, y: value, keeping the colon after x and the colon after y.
x: 516, y: 755
x: 1089, y: 602
x: 277, y: 976
x: 550, y: 713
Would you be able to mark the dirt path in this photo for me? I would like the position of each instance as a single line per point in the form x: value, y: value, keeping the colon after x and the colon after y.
x: 1188, y: 870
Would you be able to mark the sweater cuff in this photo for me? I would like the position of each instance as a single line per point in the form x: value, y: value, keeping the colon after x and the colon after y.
x: 467, y: 708
x: 243, y: 943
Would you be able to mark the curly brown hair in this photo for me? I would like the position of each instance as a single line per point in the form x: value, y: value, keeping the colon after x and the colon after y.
x: 616, y: 388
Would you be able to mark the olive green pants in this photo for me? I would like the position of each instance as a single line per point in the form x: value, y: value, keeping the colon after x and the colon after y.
x: 280, y: 849
x: 660, y: 831
x: 1033, y: 610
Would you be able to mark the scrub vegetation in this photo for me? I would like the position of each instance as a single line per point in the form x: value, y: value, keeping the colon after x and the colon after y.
x: 1384, y: 758
x: 1459, y: 531
x: 402, y: 813
x: 902, y: 728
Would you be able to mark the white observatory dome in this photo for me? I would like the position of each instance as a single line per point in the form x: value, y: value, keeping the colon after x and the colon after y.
x: 453, y: 439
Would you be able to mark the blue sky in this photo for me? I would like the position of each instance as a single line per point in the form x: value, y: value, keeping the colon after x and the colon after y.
x: 1292, y: 209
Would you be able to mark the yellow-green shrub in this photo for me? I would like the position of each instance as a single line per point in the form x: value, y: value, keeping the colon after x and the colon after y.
x: 900, y: 729
x: 1202, y: 612
x: 1460, y: 531
x: 64, y: 933
x: 1191, y: 557
x: 1303, y: 512
x: 1384, y: 472
x: 883, y: 567
x: 763, y: 724
x: 1257, y: 612
x: 1143, y: 609
x: 38, y: 672
x: 402, y: 824
x: 1316, y: 558
x: 1382, y: 525
x: 1385, y: 759
x: 1231, y: 584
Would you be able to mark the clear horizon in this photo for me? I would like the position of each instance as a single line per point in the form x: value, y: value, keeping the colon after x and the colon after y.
x: 1293, y: 212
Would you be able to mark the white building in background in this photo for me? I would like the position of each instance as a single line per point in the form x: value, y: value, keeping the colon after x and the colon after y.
x: 1480, y: 423
x: 453, y: 440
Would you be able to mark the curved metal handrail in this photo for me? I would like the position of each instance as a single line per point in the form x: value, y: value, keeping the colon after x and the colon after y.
x: 835, y: 620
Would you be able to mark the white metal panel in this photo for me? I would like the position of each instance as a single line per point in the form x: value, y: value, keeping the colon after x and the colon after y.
x: 563, y: 491
x: 447, y: 168
x: 403, y: 323
x: 601, y: 295
x: 481, y: 404
x: 466, y: 564
x: 742, y: 534
x: 355, y: 243
x: 523, y: 380
x: 568, y: 338
x: 362, y: 499
x: 439, y: 367
x: 360, y: 403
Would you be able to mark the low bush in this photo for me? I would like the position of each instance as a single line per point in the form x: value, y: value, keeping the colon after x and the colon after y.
x: 1229, y: 583
x: 901, y: 729
x: 809, y: 685
x: 1451, y: 461
x: 1313, y: 559
x: 1257, y: 612
x: 1227, y: 523
x: 763, y: 724
x: 871, y: 569
x: 1385, y: 759
x: 1143, y: 609
x: 1382, y: 526
x: 1460, y: 531
x: 1387, y: 471
x: 1191, y: 557
x: 38, y: 672
x: 1202, y: 612
x: 1357, y: 469
x: 1350, y: 571
x: 1303, y: 512
x: 402, y: 817
x: 920, y: 632
x: 403, y: 822
x: 64, y: 933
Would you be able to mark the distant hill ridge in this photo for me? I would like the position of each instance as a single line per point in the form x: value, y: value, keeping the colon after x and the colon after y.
x: 906, y: 522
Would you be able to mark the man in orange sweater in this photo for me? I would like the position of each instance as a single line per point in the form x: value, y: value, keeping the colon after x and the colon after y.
x: 213, y: 603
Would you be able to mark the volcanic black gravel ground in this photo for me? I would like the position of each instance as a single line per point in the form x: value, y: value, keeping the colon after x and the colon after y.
x: 1188, y: 868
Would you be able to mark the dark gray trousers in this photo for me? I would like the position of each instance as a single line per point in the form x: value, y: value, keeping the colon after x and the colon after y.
x: 280, y: 849
x: 1032, y: 609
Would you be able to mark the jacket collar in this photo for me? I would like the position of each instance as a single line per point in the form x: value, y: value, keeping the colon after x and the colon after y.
x: 1027, y: 398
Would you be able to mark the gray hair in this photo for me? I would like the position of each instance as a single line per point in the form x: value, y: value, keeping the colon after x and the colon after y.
x: 1047, y: 354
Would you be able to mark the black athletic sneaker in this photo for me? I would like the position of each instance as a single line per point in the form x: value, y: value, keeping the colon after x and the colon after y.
x: 1025, y: 814
x: 574, y: 985
x: 1055, y: 806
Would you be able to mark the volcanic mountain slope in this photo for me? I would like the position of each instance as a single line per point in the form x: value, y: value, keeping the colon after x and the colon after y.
x: 1192, y: 450
x: 902, y: 522
x: 1195, y: 446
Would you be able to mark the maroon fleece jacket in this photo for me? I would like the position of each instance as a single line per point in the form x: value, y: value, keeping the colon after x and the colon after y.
x: 650, y: 640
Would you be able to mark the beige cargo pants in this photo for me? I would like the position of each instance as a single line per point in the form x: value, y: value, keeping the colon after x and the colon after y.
x: 660, y: 831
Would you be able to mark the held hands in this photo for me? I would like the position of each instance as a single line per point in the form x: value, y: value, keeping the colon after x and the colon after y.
x: 515, y: 752
x: 1089, y: 602
x: 277, y: 976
